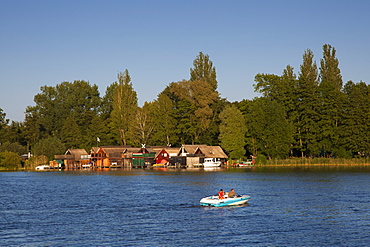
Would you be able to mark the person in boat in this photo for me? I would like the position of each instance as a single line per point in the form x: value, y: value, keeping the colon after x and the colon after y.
x: 231, y: 194
x: 221, y: 194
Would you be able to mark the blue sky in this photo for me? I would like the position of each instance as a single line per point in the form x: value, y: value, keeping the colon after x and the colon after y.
x: 48, y: 42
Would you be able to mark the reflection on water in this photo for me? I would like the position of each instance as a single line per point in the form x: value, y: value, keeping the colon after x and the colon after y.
x: 288, y: 206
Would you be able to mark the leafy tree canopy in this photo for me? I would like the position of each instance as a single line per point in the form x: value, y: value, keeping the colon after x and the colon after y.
x: 10, y: 160
x: 232, y: 132
x: 49, y: 146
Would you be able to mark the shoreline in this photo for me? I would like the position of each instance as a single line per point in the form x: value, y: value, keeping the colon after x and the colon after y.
x: 254, y: 166
x: 305, y: 165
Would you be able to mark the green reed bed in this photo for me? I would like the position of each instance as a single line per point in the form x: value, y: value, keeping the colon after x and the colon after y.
x: 318, y: 162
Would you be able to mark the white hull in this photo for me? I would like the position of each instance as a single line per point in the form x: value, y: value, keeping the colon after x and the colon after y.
x: 215, y: 202
x: 209, y: 165
x: 210, y: 162
x: 43, y: 168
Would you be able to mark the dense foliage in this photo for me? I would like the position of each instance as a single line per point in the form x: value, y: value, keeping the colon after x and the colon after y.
x: 308, y: 114
x: 10, y: 160
x: 232, y: 132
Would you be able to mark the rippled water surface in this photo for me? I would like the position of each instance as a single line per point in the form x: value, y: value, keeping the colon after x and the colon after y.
x: 288, y: 207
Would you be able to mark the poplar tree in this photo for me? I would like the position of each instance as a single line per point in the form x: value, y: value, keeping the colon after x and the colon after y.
x: 202, y: 96
x: 287, y: 96
x: 204, y: 71
x: 308, y: 107
x: 124, y: 108
x: 332, y: 99
x: 205, y: 98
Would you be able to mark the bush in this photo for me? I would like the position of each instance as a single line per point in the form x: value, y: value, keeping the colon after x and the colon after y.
x: 10, y: 160
x: 261, y: 159
x: 36, y: 161
x: 342, y: 153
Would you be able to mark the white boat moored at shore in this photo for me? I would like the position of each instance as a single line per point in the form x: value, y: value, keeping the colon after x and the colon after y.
x: 42, y: 167
x: 211, y: 162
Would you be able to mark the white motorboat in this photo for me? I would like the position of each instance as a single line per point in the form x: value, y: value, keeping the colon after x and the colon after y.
x: 227, y: 201
x: 43, y: 168
x: 211, y: 162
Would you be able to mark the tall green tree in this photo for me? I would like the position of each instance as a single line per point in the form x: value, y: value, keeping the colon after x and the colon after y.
x: 232, y: 132
x: 330, y: 76
x: 78, y: 100
x: 33, y: 129
x: 183, y: 112
x: 332, y: 99
x: 99, y: 133
x: 71, y: 134
x: 204, y: 70
x: 164, y: 123
x: 15, y: 133
x: 203, y: 97
x: 287, y: 96
x: 308, y: 107
x: 11, y: 135
x: 206, y: 99
x: 281, y: 88
x: 106, y: 106
x: 193, y: 103
x: 124, y: 109
x: 101, y: 128
x: 270, y: 131
x: 356, y: 120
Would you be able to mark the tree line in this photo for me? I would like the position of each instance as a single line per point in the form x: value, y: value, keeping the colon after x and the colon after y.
x: 306, y: 115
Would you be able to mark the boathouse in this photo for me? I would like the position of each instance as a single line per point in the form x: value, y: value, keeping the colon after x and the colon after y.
x: 138, y: 157
x: 108, y: 156
x: 195, y: 154
x: 73, y: 159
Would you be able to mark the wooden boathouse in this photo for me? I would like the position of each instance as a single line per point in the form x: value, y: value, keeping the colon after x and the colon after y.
x: 108, y: 156
x: 73, y: 159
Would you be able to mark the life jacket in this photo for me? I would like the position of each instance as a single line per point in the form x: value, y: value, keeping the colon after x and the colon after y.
x: 221, y: 195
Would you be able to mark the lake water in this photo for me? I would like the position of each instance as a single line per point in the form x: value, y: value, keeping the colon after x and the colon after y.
x: 288, y: 207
